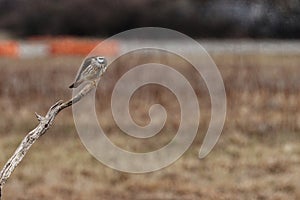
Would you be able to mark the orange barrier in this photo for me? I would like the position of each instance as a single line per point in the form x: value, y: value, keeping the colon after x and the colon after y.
x: 58, y: 46
x: 81, y: 47
x: 65, y: 45
x: 9, y: 48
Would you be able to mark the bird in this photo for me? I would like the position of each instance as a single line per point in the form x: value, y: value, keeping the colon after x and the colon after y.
x: 91, y: 69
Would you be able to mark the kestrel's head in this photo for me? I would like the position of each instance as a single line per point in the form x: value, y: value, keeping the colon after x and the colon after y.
x: 100, y: 62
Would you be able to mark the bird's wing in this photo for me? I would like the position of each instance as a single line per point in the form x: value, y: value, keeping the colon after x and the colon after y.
x: 83, y: 67
x: 88, y: 71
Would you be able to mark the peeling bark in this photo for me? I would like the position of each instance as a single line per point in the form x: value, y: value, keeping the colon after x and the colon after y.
x: 44, y: 124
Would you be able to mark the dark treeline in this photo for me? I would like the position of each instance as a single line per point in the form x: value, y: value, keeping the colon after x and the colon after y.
x: 197, y: 18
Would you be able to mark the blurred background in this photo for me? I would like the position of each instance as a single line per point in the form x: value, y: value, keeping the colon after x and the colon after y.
x: 255, y: 46
x: 197, y: 18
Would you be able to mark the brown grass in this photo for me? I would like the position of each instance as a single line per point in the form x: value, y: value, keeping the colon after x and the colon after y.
x: 257, y: 157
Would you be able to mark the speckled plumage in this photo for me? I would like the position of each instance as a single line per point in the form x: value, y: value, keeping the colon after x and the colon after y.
x: 91, y: 69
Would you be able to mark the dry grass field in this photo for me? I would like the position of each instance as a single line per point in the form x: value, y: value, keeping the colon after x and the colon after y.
x: 257, y: 156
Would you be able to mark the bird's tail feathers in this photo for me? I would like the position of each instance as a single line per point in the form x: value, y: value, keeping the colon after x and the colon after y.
x: 76, y: 84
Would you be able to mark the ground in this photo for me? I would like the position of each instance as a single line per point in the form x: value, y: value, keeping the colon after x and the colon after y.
x: 257, y: 156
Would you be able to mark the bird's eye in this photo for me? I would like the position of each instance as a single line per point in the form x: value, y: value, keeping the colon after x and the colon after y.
x: 100, y: 60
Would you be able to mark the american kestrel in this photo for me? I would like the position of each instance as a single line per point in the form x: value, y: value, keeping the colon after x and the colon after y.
x: 91, y: 69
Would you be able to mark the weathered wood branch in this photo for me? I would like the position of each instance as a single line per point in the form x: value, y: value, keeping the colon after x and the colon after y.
x: 44, y: 124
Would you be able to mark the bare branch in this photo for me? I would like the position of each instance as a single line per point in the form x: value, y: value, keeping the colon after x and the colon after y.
x: 44, y: 124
